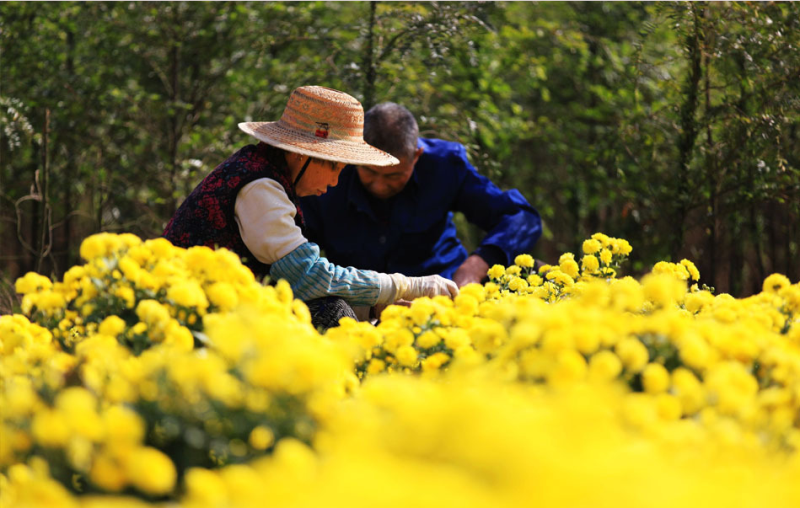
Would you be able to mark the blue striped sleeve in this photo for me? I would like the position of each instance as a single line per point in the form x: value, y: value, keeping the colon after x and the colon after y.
x: 312, y: 276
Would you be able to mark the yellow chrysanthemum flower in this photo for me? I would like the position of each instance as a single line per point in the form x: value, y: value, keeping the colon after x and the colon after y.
x: 591, y: 246
x: 406, y: 356
x: 151, y: 471
x: 590, y: 264
x: 32, y: 282
x: 655, y: 378
x: 261, y: 437
x: 524, y: 261
x: 775, y: 283
x: 569, y: 267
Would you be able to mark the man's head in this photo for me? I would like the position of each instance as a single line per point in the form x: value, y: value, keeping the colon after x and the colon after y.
x: 393, y: 129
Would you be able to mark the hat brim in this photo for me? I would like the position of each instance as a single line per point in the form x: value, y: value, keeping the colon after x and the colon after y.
x: 328, y: 149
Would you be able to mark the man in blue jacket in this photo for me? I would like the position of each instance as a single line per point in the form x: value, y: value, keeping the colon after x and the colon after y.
x: 400, y: 218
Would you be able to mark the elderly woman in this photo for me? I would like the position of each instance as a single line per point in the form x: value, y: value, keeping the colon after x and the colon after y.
x: 249, y: 204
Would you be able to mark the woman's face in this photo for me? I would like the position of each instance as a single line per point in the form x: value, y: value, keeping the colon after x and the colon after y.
x: 317, y: 178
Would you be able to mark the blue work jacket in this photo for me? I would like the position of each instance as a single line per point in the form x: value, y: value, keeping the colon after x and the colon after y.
x: 416, y: 235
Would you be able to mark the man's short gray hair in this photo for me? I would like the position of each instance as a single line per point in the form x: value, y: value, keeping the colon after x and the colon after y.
x: 393, y: 129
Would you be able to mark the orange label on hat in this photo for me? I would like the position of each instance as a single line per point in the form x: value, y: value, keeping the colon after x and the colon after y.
x: 322, y: 130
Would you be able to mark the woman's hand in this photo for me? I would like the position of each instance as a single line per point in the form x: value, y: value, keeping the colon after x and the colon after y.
x: 429, y: 285
x: 396, y: 286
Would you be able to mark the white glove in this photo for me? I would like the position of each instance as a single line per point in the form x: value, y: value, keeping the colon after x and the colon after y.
x: 408, y: 288
x: 429, y: 285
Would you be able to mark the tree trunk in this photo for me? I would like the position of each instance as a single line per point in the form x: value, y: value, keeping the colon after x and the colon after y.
x: 774, y: 219
x: 369, y: 60
x: 756, y: 240
x: 66, y: 259
x: 792, y: 233
x: 33, y: 226
x: 44, y: 205
x: 688, y: 135
x: 711, y: 171
x: 174, y: 119
x: 792, y: 236
x: 736, y: 256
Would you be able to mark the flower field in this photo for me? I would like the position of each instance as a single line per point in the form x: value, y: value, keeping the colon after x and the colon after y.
x: 158, y: 376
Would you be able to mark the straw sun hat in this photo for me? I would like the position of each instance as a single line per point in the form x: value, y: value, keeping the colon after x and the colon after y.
x: 323, y: 123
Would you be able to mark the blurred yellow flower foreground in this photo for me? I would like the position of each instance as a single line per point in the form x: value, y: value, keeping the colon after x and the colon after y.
x: 159, y: 376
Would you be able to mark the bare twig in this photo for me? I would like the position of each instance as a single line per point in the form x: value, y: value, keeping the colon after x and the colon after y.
x: 8, y: 296
x: 34, y: 195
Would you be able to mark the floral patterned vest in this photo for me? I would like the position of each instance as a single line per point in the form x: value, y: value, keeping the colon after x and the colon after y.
x: 206, y: 217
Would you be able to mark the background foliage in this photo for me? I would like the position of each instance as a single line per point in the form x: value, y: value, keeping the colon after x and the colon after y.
x: 674, y: 125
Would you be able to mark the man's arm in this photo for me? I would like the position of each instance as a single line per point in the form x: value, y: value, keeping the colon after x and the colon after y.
x: 512, y: 225
x: 472, y: 270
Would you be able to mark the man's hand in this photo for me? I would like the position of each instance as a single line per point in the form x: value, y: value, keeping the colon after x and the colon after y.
x: 473, y: 269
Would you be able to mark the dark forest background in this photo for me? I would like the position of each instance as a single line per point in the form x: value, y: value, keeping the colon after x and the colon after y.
x: 673, y: 125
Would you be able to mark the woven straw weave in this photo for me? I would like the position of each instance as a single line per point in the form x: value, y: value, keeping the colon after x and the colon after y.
x: 324, y: 123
